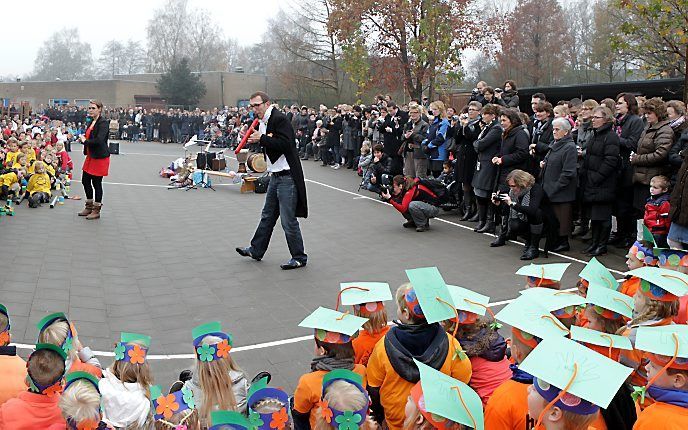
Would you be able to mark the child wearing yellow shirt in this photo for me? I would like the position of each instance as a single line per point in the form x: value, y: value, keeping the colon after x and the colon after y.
x: 39, y: 186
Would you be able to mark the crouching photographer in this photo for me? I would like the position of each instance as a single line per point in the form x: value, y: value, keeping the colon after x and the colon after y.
x: 416, y: 201
x: 524, y: 200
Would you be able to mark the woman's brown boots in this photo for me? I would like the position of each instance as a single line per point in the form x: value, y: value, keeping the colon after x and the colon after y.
x: 91, y: 210
x: 87, y: 209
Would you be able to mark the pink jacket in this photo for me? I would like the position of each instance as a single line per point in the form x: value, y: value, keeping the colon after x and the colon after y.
x: 488, y: 375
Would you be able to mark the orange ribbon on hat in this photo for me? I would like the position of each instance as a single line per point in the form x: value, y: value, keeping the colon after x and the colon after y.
x: 353, y: 287
x: 559, y: 396
x: 470, y: 415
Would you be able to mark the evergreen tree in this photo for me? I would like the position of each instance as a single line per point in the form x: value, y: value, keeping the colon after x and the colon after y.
x: 179, y: 87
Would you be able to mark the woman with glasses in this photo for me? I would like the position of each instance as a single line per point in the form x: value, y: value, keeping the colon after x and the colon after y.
x: 97, y: 162
x: 598, y: 178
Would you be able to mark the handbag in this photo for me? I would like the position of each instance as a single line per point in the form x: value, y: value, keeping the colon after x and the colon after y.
x: 261, y: 186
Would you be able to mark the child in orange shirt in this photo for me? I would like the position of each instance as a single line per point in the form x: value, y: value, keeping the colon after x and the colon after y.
x: 366, y: 298
x: 38, y: 408
x: 333, y: 350
x: 12, y: 367
x: 668, y: 378
x: 639, y: 255
x: 391, y: 370
x: 57, y: 330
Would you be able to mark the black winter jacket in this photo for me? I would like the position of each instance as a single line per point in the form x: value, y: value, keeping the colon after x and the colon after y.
x: 97, y: 143
x: 599, y: 172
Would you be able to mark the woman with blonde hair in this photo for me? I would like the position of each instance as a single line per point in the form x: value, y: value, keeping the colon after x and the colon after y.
x: 217, y: 382
x: 125, y: 387
x: 435, y: 143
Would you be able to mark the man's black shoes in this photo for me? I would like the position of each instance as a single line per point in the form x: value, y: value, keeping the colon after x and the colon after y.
x: 292, y: 264
x: 246, y: 252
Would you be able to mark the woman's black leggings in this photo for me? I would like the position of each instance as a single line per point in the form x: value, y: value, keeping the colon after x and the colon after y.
x: 90, y: 183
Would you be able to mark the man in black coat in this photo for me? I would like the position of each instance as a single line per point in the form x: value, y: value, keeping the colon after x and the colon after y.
x: 276, y: 136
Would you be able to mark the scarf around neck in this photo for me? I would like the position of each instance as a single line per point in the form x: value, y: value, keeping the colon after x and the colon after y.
x: 328, y: 363
x: 671, y: 397
x: 519, y: 375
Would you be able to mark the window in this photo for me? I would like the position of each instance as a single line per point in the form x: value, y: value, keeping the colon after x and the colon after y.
x: 58, y: 102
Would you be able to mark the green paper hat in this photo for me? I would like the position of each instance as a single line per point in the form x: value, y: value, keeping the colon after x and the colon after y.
x: 553, y: 300
x: 465, y: 300
x: 155, y: 391
x: 671, y: 281
x: 3, y: 310
x: 450, y: 398
x: 432, y: 294
x: 596, y: 274
x: 594, y: 337
x: 660, y: 340
x: 530, y: 317
x: 49, y: 319
x: 597, y: 378
x: 206, y: 329
x: 358, y: 293
x: 51, y: 347
x: 611, y: 300
x: 132, y: 337
x: 73, y: 377
x: 345, y: 374
x: 648, y: 237
x: 331, y: 321
x: 258, y: 385
x: 543, y: 274
x: 231, y: 418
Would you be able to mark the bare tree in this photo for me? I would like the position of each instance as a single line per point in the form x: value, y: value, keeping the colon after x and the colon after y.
x: 110, y: 60
x: 167, y: 33
x: 63, y: 56
x: 206, y: 44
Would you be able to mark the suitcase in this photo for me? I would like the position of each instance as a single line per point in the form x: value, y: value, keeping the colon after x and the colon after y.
x: 113, y: 147
x: 219, y: 164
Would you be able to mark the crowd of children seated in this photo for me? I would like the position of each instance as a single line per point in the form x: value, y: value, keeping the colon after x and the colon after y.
x: 602, y: 354
x: 34, y: 162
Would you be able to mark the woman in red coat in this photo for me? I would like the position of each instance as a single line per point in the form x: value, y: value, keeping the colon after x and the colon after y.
x: 97, y: 162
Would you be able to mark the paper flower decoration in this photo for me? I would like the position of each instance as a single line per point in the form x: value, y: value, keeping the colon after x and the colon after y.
x: 348, y: 421
x: 460, y: 354
x: 279, y: 419
x: 188, y: 397
x: 88, y: 425
x: 223, y: 348
x: 54, y: 389
x: 254, y: 419
x: 167, y: 406
x: 67, y: 346
x: 119, y: 351
x: 137, y: 355
x: 4, y: 337
x: 325, y: 410
x: 205, y: 352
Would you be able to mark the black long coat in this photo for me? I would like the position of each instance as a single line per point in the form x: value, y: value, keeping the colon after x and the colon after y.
x: 487, y: 147
x: 466, y: 157
x: 513, y: 152
x: 97, y: 143
x: 279, y: 139
x: 601, y: 163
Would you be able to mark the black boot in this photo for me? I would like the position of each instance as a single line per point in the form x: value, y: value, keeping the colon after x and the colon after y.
x: 500, y: 241
x: 469, y: 204
x: 533, y: 249
x: 603, y: 237
x: 480, y: 225
x: 562, y: 245
x: 488, y: 228
x: 580, y: 230
x: 594, y: 237
x: 503, y: 233
x: 489, y: 224
x: 482, y: 217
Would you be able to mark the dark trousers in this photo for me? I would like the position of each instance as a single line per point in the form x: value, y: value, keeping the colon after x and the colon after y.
x: 92, y: 183
x: 280, y: 202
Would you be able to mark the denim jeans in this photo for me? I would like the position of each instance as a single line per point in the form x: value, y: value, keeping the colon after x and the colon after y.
x: 149, y: 132
x: 280, y: 202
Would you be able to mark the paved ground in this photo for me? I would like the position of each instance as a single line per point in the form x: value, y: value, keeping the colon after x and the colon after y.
x: 161, y: 261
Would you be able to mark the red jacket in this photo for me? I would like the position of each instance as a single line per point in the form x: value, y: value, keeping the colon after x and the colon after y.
x: 30, y: 411
x: 416, y: 192
x: 657, y: 214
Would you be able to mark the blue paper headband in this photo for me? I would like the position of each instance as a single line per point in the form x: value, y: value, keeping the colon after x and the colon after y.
x: 568, y: 401
x: 271, y: 420
x: 213, y: 352
x: 164, y: 406
x: 344, y: 420
x: 130, y: 353
x: 68, y: 343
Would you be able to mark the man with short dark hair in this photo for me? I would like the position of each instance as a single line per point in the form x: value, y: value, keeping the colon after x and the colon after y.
x: 286, y: 194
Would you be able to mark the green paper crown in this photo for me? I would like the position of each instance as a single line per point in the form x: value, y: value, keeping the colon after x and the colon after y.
x: 344, y: 374
x: 207, y: 328
x: 229, y: 417
x: 44, y: 321
x: 671, y: 281
x: 73, y: 376
x: 51, y: 347
x: 648, y: 237
x: 258, y: 385
x: 3, y: 310
x: 132, y: 337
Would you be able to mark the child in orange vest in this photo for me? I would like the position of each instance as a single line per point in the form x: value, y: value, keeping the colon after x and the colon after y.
x: 334, y: 350
x: 391, y: 369
x: 367, y: 299
x: 12, y: 367
x: 667, y: 370
x: 38, y: 408
x: 57, y: 330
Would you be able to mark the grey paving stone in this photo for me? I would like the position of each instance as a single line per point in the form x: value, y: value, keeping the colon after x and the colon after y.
x: 83, y: 314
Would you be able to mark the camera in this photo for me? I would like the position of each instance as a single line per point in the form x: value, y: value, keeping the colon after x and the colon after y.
x: 499, y: 90
x: 384, y: 189
x: 475, y: 92
x: 455, y: 118
x: 499, y: 197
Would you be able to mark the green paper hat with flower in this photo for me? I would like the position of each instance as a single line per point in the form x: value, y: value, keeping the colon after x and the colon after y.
x: 165, y: 406
x: 543, y: 275
x: 211, y: 352
x: 343, y: 419
x: 5, y: 331
x: 46, y: 321
x: 258, y: 392
x: 132, y: 348
x: 232, y: 419
x: 54, y: 387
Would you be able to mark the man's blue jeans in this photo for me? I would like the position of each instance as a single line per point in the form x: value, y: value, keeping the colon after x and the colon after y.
x: 280, y: 202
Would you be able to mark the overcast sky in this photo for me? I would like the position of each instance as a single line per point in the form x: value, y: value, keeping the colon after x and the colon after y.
x: 27, y: 25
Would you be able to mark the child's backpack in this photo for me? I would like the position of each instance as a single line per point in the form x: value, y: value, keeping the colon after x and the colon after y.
x: 437, y: 188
